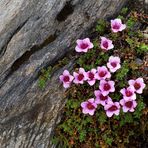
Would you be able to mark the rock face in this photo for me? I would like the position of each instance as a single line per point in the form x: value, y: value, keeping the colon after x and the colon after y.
x: 35, y: 34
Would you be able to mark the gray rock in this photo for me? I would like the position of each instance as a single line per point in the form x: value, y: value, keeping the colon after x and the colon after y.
x: 35, y: 34
x: 139, y: 61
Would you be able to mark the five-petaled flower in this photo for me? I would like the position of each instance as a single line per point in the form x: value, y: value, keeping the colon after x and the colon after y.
x: 106, y: 87
x: 102, y: 73
x: 116, y: 25
x: 83, y: 45
x: 79, y: 77
x: 128, y: 92
x: 91, y: 77
x: 113, y: 64
x: 66, y: 78
x: 128, y: 105
x: 106, y: 44
x: 100, y: 98
x: 112, y: 108
x: 138, y: 84
x: 89, y: 106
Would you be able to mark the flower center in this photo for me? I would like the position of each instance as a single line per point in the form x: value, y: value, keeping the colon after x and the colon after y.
x: 90, y: 106
x: 137, y: 85
x: 102, y: 73
x: 80, y: 77
x: 91, y: 75
x: 84, y: 45
x: 103, y: 97
x: 113, y: 108
x: 106, y: 87
x: 105, y: 44
x: 128, y: 93
x: 116, y: 26
x: 66, y: 79
x: 114, y: 64
x: 129, y: 104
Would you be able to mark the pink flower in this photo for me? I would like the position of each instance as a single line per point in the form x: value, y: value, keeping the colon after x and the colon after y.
x: 66, y: 78
x: 91, y: 77
x: 116, y: 25
x: 112, y: 108
x: 128, y: 93
x: 100, y: 98
x: 114, y: 63
x: 83, y: 45
x: 128, y: 105
x: 106, y: 87
x: 102, y: 73
x: 106, y: 44
x: 79, y: 77
x: 89, y: 106
x: 138, y: 84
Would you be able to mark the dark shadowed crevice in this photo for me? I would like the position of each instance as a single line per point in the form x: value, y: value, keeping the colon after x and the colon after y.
x: 2, y: 51
x: 65, y: 12
x: 27, y: 54
x: 31, y: 115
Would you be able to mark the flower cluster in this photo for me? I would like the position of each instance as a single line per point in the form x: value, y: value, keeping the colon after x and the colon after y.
x: 103, y: 75
x: 128, y: 102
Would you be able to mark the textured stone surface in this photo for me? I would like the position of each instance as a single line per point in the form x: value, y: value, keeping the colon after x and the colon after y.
x: 35, y: 34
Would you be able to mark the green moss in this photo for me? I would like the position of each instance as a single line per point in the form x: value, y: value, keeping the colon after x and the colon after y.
x: 101, y: 26
x: 44, y: 77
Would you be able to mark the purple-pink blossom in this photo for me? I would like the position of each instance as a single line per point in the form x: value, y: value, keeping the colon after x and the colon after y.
x: 89, y: 106
x: 116, y: 25
x: 138, y: 85
x: 102, y: 73
x: 113, y: 64
x: 106, y: 44
x: 79, y: 77
x: 83, y: 45
x: 106, y: 87
x: 91, y: 77
x: 100, y: 98
x: 112, y: 108
x: 128, y: 92
x: 128, y: 105
x: 66, y: 79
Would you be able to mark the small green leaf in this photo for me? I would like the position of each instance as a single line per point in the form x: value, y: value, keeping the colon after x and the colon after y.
x: 124, y: 11
x: 102, y: 117
x: 120, y: 17
x: 139, y: 108
x: 143, y: 48
x: 54, y: 140
x: 122, y: 72
x: 109, y: 141
x: 130, y: 23
x: 41, y: 83
x: 130, y: 41
x: 101, y: 26
x: 82, y: 135
x: 96, y: 43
